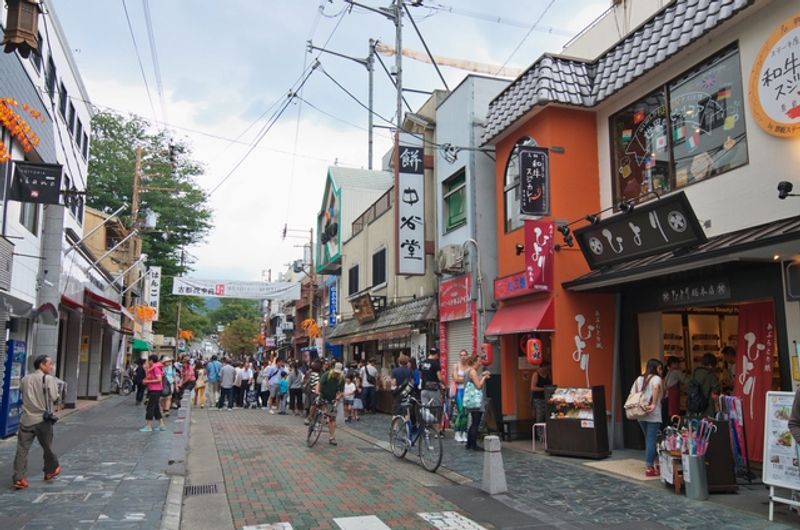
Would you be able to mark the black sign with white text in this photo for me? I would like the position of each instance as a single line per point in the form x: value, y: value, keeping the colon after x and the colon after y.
x: 534, y: 180
x: 658, y: 226
x: 39, y: 183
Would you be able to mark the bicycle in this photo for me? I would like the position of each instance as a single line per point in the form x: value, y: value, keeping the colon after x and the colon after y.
x: 326, y: 409
x: 121, y: 383
x: 403, y: 436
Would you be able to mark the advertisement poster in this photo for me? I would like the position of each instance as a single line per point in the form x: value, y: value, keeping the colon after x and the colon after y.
x: 781, y: 466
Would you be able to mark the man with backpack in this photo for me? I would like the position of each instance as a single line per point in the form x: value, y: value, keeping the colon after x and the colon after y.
x: 369, y: 380
x: 704, y: 388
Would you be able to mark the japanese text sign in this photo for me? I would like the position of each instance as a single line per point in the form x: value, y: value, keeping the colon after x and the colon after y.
x: 539, y: 255
x: 656, y: 227
x: 512, y: 286
x: 534, y: 179
x: 38, y: 183
x: 153, y: 289
x: 454, y: 299
x: 410, y: 201
x: 236, y: 289
x: 775, y: 81
x: 333, y: 304
x: 695, y: 293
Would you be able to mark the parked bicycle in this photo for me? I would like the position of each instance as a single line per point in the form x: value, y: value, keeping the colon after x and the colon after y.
x: 404, y: 433
x: 121, y: 382
x: 324, y: 411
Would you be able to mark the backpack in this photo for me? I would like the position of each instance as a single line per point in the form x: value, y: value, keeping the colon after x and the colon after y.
x: 696, y: 400
x: 636, y: 404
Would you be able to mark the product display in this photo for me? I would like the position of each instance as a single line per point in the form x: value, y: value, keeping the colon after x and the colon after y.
x: 576, y: 422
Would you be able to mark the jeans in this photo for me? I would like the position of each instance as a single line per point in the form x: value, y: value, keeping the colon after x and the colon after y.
x: 650, y: 430
x: 282, y: 399
x: 369, y: 397
x: 44, y: 433
x: 472, y: 433
x: 226, y: 394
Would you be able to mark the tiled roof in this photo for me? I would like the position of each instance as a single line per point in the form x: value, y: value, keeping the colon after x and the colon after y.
x: 407, y: 313
x: 345, y: 177
x: 555, y: 79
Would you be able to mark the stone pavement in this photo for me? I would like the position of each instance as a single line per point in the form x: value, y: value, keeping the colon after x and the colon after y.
x: 569, y: 496
x: 113, y: 476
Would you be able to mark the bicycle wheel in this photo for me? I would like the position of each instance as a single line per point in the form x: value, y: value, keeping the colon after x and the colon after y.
x: 398, y: 438
x: 314, y: 430
x: 431, y: 450
x: 127, y: 387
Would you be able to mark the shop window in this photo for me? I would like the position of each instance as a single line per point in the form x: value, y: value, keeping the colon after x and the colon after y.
x: 511, y: 193
x: 379, y: 267
x: 29, y: 216
x: 352, y: 280
x: 455, y: 201
x: 686, y: 131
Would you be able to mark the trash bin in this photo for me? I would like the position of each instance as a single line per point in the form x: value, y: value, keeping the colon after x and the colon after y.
x: 694, y: 475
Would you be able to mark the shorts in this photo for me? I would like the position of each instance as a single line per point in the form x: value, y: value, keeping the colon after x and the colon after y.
x: 348, y: 402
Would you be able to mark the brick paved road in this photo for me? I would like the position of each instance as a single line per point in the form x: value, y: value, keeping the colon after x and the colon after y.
x: 271, y: 476
x: 113, y: 476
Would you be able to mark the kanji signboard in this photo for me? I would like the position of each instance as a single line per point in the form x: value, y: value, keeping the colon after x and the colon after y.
x: 534, y: 180
x: 410, y: 201
x: 38, y: 183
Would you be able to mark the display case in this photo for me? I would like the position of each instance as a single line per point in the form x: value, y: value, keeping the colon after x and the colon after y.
x: 11, y: 402
x: 576, y: 422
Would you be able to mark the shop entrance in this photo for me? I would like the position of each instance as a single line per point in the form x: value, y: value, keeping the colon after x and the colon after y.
x: 522, y: 370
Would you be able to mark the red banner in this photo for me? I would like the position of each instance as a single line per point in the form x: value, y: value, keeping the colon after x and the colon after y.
x: 539, y: 255
x: 454, y: 299
x: 755, y: 348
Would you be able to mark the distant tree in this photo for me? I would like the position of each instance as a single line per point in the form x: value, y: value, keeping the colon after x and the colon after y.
x: 240, y: 337
x: 231, y: 309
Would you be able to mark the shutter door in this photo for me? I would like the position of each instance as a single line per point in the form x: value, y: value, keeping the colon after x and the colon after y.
x: 459, y: 337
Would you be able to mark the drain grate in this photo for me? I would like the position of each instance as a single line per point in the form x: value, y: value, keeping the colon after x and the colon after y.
x: 199, y: 489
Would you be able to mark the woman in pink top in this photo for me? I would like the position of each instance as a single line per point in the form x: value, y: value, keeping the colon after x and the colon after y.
x: 154, y: 380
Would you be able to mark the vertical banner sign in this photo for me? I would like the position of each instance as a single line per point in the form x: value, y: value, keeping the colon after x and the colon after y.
x: 754, y: 352
x: 539, y: 255
x: 454, y: 299
x: 534, y: 180
x: 333, y: 304
x: 154, y: 289
x: 410, y: 203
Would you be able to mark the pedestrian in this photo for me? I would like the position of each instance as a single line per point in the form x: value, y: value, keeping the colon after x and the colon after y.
x: 651, y: 386
x: 154, y: 379
x: 460, y: 378
x: 330, y: 387
x: 39, y: 396
x: 188, y: 379
x: 238, y: 397
x: 431, y: 386
x: 169, y: 373
x: 728, y: 369
x: 264, y: 382
x: 212, y: 379
x: 672, y: 384
x: 274, y: 376
x: 200, y: 387
x: 226, y: 379
x: 539, y: 380
x: 704, y: 388
x: 402, y: 377
x: 369, y: 382
x: 349, y: 396
x: 311, y: 383
x: 295, y: 388
x: 477, y: 381
x: 283, y: 392
x: 358, y: 402
x: 138, y: 378
x: 246, y: 377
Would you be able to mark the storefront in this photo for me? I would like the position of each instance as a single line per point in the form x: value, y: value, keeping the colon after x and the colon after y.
x: 458, y: 320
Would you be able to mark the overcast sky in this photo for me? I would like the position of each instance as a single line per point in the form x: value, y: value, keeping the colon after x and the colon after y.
x: 223, y: 64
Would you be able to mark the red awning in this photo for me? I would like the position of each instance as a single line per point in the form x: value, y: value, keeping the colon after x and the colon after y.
x: 538, y: 315
x: 96, y: 298
x: 88, y: 311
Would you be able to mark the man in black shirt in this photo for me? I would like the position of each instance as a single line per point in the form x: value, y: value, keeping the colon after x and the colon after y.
x: 431, y: 385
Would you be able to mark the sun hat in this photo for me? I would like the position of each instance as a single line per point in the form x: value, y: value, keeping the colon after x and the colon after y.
x: 337, y: 368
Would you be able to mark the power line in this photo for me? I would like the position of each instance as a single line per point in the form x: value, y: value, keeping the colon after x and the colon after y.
x: 154, y: 54
x: 536, y: 23
x: 425, y: 45
x: 493, y: 18
x: 354, y: 98
x: 392, y: 79
x: 139, y: 59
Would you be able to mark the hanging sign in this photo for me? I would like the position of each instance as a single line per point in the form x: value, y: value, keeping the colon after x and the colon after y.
x: 754, y: 351
x: 37, y: 183
x: 775, y: 79
x: 454, y: 299
x: 410, y: 200
x: 658, y: 226
x: 534, y: 180
x: 539, y: 255
x: 236, y: 289
x: 153, y: 290
x: 333, y: 304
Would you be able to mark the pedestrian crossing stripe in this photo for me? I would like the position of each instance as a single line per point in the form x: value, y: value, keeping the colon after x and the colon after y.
x: 438, y: 520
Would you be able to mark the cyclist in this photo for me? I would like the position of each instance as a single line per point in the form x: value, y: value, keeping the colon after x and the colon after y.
x: 330, y: 389
x: 432, y: 385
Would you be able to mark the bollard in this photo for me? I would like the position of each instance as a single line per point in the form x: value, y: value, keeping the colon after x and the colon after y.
x: 494, y: 475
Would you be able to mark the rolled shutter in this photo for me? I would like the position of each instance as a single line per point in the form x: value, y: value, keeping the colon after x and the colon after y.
x: 459, y: 337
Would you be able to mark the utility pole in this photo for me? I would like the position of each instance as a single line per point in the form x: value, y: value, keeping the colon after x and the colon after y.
x: 398, y: 61
x: 180, y: 306
x: 137, y: 181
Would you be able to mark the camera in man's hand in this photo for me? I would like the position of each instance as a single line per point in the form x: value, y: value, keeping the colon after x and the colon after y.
x: 49, y: 417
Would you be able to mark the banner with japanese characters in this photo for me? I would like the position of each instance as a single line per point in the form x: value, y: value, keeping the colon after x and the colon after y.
x: 539, y: 263
x: 236, y: 289
x: 153, y: 289
x: 410, y: 201
x: 754, y: 351
x: 534, y: 180
x: 37, y: 183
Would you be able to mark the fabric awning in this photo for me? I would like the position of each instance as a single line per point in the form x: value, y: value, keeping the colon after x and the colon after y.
x: 538, y: 315
x: 91, y: 296
x: 139, y: 344
x: 400, y: 333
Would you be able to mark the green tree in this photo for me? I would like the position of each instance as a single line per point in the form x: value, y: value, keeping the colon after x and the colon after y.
x: 169, y: 189
x: 240, y: 337
x: 231, y: 309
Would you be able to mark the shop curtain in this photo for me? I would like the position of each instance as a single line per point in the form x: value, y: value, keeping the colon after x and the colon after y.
x: 755, y: 348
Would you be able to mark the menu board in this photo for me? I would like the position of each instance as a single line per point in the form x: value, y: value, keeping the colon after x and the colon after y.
x: 781, y: 466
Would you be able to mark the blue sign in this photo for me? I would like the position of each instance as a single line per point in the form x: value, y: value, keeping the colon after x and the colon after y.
x: 333, y: 302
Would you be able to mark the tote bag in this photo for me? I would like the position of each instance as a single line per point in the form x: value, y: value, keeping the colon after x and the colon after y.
x: 473, y: 398
x: 636, y: 402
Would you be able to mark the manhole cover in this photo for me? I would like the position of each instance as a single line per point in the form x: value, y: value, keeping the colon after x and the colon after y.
x: 199, y: 489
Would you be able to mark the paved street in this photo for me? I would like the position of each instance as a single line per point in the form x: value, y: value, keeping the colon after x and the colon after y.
x: 113, y: 476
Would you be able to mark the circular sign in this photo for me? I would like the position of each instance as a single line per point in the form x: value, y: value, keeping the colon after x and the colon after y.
x: 774, y: 89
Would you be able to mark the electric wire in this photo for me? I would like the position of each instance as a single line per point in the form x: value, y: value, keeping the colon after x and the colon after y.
x: 441, y: 8
x: 536, y: 23
x: 355, y: 98
x: 154, y: 54
x: 139, y: 59
x: 392, y: 79
x: 425, y: 45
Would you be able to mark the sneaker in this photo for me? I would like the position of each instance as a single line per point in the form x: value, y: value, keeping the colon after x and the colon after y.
x: 160, y: 428
x: 650, y: 472
x: 146, y: 429
x: 271, y: 411
x: 21, y: 484
x: 54, y: 474
x: 332, y: 442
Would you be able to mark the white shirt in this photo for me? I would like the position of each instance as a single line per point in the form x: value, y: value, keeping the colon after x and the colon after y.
x: 655, y: 415
x: 349, y: 390
x: 372, y: 371
x: 247, y: 374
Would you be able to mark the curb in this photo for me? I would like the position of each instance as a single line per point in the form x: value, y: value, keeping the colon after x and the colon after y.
x: 176, y: 466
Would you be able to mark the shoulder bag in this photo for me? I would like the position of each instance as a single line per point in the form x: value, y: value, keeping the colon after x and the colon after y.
x: 636, y: 404
x: 473, y: 398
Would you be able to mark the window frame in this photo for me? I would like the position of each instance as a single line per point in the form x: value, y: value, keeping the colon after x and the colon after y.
x: 377, y: 284
x: 29, y: 217
x: 350, y: 287
x: 451, y: 187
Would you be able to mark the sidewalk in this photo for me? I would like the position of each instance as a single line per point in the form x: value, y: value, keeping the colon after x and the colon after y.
x: 558, y: 492
x: 113, y: 476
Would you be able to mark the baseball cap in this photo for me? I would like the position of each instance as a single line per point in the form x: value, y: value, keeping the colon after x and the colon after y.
x: 337, y: 368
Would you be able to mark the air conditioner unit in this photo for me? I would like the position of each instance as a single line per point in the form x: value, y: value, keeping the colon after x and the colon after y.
x: 451, y: 259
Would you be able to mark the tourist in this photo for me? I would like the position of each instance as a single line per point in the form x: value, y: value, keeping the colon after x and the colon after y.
x: 651, y: 386
x: 349, y: 396
x: 460, y: 378
x: 475, y: 412
x: 138, y: 380
x: 295, y: 388
x: 672, y: 387
x: 226, y: 381
x: 541, y: 378
x: 169, y: 373
x: 200, y: 387
x: 213, y: 369
x: 263, y: 378
x: 154, y: 379
x: 369, y: 382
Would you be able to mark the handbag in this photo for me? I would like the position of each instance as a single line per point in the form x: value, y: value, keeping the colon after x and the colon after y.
x: 635, y: 405
x: 473, y: 398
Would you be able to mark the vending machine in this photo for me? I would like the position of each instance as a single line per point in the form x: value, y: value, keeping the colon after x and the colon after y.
x: 11, y: 404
